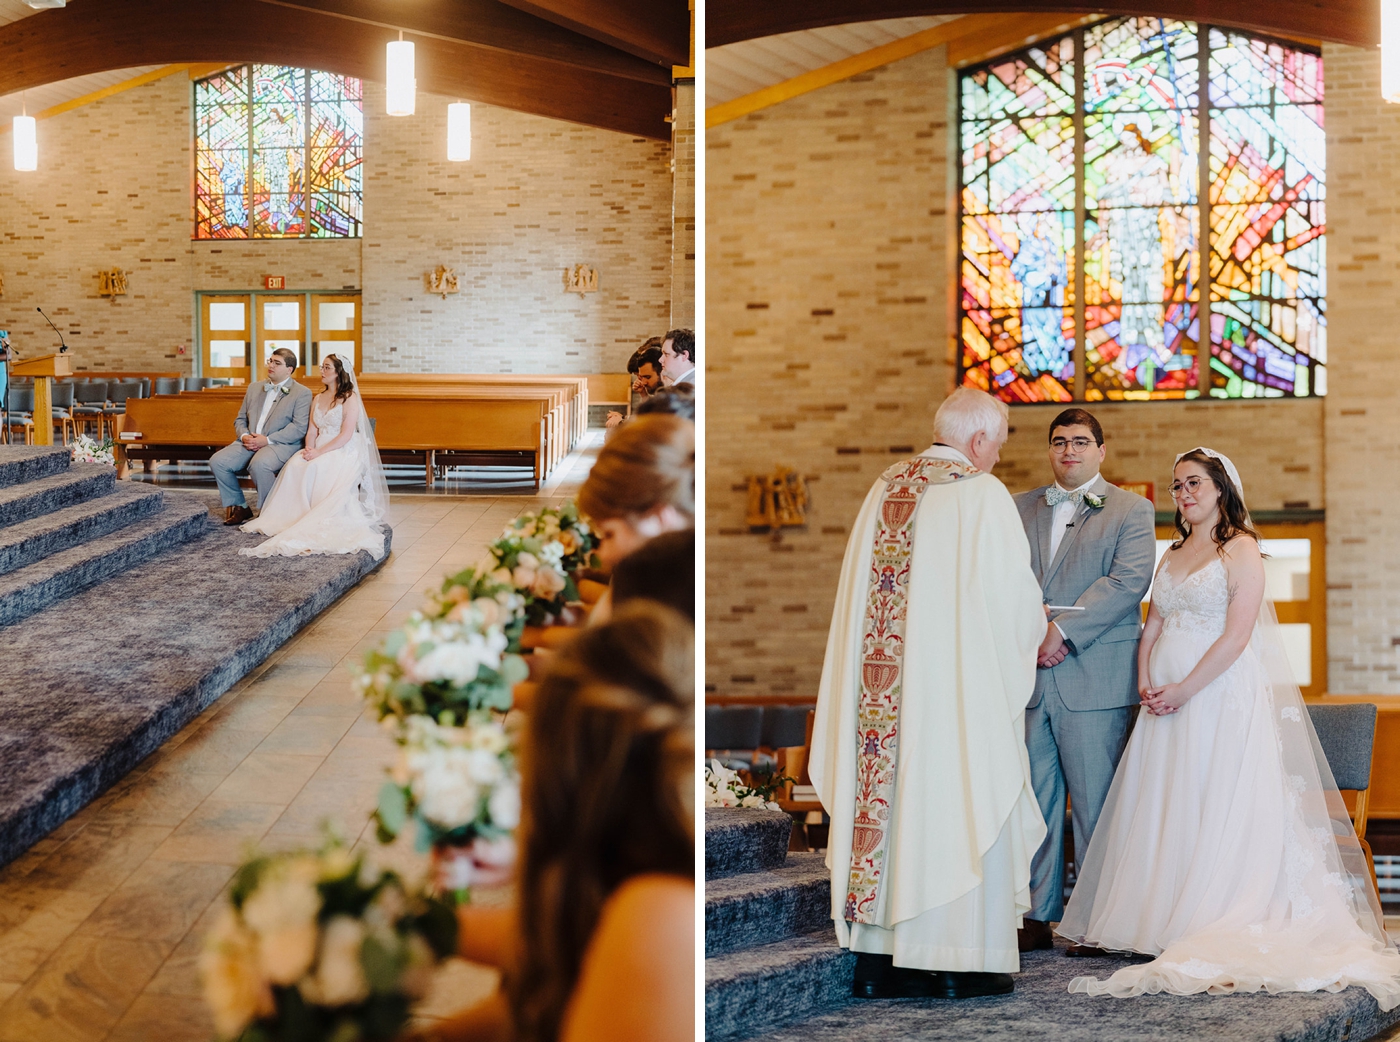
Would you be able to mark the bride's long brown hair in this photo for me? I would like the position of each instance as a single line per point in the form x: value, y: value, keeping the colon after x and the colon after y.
x: 607, y: 766
x: 1234, y: 518
x: 344, y: 386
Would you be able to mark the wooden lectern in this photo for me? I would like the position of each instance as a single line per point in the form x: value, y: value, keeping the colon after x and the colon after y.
x: 43, y: 370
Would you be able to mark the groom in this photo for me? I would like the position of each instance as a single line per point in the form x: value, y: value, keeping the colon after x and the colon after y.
x: 270, y: 426
x: 1093, y: 547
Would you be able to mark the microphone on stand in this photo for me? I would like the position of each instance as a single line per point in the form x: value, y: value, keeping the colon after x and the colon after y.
x: 63, y: 347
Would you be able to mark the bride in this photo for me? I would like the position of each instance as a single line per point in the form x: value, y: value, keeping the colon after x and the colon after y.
x: 331, y: 496
x: 1224, y: 849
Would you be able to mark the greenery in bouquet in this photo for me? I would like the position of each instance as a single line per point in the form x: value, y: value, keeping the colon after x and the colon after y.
x: 494, y: 601
x: 538, y: 555
x: 461, y: 788
x: 442, y: 668
x: 724, y: 788
x: 87, y: 450
x: 314, y: 947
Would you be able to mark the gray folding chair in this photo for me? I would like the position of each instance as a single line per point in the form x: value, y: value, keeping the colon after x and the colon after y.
x: 63, y: 410
x: 169, y: 385
x: 89, y: 399
x: 20, y: 405
x: 732, y: 734
x: 1347, y: 734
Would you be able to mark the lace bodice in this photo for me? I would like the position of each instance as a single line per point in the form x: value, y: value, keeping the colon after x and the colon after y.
x: 1198, y: 602
x: 328, y: 423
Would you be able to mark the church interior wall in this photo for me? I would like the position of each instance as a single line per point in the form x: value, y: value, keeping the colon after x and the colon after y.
x: 831, y: 347
x: 113, y: 190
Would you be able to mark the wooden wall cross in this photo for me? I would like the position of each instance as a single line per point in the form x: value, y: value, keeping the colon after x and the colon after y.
x: 777, y: 500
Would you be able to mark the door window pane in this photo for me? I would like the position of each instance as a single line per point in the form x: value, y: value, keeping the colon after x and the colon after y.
x: 1287, y: 569
x: 338, y: 316
x: 342, y: 349
x: 227, y: 316
x: 294, y: 346
x: 281, y: 314
x: 1297, y: 645
x: 228, y: 354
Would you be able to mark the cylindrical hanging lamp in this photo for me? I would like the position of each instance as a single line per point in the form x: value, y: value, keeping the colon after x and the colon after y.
x: 459, y: 132
x: 1390, y: 50
x: 399, y: 82
x: 26, y: 144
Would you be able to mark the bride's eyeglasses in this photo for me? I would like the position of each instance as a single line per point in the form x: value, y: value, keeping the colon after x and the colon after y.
x: 1191, y: 485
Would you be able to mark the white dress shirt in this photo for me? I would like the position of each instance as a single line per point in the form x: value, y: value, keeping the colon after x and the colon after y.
x: 1063, y: 514
x: 268, y: 403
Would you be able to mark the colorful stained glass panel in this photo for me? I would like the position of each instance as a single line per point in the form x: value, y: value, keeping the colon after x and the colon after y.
x: 221, y: 155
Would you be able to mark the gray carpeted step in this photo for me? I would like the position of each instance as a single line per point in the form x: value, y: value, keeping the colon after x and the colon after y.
x: 31, y: 462
x: 80, y: 482
x: 33, y: 588
x: 758, y: 908
x: 40, y: 538
x: 763, y: 988
x: 738, y: 841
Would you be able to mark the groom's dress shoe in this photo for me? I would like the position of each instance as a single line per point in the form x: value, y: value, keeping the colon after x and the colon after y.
x: 1087, y: 951
x: 1034, y: 936
x: 877, y: 977
x: 237, y: 515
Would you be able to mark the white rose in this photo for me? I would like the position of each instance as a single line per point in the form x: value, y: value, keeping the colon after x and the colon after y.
x: 340, y: 979
x: 753, y: 801
x: 504, y: 805
x: 484, y: 768
x: 548, y: 583
x: 235, y: 990
x: 444, y: 789
x: 552, y: 554
x: 456, y: 661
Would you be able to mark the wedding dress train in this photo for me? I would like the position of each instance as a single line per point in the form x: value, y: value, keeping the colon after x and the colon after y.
x: 1217, y: 851
x: 320, y: 506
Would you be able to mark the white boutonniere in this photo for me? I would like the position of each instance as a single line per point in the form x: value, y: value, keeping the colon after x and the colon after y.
x: 287, y: 388
x: 1094, y: 501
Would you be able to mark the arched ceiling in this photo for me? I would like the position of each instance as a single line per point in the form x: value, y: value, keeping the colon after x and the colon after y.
x: 1354, y: 22
x: 605, y: 63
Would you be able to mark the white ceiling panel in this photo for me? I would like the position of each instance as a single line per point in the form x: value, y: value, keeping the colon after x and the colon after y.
x: 37, y: 99
x: 741, y: 68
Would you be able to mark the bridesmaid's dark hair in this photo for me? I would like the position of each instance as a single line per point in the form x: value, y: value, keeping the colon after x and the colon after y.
x: 1234, y: 518
x: 344, y: 386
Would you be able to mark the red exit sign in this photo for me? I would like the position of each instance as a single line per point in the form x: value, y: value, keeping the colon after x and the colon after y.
x: 274, y: 282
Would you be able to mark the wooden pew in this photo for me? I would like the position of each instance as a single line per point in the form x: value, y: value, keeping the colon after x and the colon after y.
x: 575, y: 387
x: 500, y: 430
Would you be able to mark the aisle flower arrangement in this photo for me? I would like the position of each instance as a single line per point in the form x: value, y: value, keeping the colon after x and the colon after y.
x: 461, y: 789
x: 494, y: 600
x: 724, y: 788
x: 87, y: 450
x: 313, y: 947
x: 539, y: 554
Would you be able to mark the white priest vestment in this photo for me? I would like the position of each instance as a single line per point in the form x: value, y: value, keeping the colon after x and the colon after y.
x: 964, y: 821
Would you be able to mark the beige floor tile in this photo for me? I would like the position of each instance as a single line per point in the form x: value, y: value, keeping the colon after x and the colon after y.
x: 7, y: 989
x: 161, y: 796
x: 160, y: 902
x: 267, y: 778
x: 99, y: 859
x: 342, y: 803
x: 39, y: 920
x: 167, y: 1018
x: 179, y: 974
x: 218, y: 832
x: 215, y: 750
x: 81, y: 992
x: 258, y: 711
x: 307, y: 734
x: 333, y: 692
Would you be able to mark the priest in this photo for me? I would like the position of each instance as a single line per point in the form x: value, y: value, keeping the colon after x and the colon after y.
x: 919, y: 752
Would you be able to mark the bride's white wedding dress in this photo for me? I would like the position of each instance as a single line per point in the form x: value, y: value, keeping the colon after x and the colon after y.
x: 321, y: 506
x: 1217, y: 850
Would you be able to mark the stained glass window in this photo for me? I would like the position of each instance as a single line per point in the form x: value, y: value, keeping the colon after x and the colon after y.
x: 277, y: 154
x: 1086, y: 178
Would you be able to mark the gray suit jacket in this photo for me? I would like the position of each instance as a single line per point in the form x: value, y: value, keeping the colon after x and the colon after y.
x: 285, y: 429
x: 1104, y: 564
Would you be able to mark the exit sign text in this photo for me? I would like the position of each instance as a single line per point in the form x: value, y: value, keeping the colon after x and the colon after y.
x: 274, y: 282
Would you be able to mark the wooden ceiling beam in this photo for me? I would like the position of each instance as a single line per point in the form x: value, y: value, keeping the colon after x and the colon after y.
x: 657, y: 30
x: 1355, y: 22
x: 118, y: 34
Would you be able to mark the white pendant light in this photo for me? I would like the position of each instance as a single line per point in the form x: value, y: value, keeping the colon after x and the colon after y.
x: 400, y: 84
x: 459, y: 132
x: 1390, y: 50
x: 26, y: 141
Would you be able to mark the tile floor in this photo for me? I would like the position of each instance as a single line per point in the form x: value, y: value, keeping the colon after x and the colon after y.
x: 102, y: 921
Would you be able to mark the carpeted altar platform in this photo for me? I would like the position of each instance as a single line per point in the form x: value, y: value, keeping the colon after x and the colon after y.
x: 773, y: 972
x: 130, y: 611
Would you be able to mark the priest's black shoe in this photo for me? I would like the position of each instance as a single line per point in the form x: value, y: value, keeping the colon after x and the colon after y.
x: 877, y: 977
x: 1034, y: 936
x: 970, y: 985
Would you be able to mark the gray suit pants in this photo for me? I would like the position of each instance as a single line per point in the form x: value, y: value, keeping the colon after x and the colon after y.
x: 1074, y: 752
x: 263, y: 466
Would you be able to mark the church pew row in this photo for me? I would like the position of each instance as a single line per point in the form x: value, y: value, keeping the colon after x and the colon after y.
x: 501, y: 431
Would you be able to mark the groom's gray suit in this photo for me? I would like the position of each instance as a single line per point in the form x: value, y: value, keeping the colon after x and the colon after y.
x: 1077, y: 721
x: 284, y: 429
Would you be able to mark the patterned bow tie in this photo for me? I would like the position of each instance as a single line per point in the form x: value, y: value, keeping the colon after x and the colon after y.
x: 1054, y: 496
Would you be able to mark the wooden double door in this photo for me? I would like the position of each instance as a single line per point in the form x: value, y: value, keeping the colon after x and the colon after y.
x: 239, y: 330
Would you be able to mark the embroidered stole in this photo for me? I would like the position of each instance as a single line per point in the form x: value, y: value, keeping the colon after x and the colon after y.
x: 881, y: 673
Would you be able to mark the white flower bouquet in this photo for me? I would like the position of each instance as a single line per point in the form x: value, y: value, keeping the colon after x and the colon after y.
x: 724, y: 788
x: 442, y: 668
x: 538, y: 555
x: 314, y: 948
x: 473, y: 590
x: 461, y: 787
x: 86, y: 450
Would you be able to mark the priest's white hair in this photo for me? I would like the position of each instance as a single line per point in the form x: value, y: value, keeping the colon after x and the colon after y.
x: 966, y: 413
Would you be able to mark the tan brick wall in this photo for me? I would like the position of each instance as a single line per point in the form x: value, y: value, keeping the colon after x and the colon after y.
x: 113, y: 189
x: 828, y: 280
x: 1363, y: 405
x: 683, y: 208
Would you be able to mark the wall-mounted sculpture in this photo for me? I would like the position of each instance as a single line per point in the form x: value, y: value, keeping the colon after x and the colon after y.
x: 581, y: 279
x: 442, y: 280
x: 777, y: 500
x: 111, y: 283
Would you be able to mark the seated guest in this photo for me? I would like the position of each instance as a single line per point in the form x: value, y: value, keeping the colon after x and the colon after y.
x: 601, y: 947
x: 678, y: 401
x: 662, y: 570
x: 645, y: 367
x: 271, y: 426
x: 678, y: 357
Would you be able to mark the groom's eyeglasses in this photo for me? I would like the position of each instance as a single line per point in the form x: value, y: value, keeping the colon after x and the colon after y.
x: 1064, y: 444
x: 1192, y: 485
